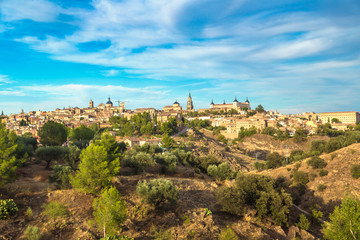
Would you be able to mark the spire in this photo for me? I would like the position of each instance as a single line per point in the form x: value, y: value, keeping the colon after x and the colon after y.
x: 212, y: 102
x: 224, y: 102
x: 236, y: 100
x: 247, y: 100
x: 189, y: 94
x: 2, y: 112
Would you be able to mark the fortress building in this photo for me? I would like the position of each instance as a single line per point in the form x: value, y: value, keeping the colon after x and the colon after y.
x: 236, y: 105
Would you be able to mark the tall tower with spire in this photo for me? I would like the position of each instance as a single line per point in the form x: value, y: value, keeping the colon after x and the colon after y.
x: 91, y: 104
x: 189, y: 105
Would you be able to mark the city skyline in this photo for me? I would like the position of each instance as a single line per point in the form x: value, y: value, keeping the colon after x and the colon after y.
x: 293, y: 56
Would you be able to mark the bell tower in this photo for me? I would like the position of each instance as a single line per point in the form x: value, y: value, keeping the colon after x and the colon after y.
x: 91, y: 104
x: 190, y: 105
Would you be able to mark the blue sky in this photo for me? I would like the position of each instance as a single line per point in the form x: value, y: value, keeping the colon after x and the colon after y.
x: 289, y: 55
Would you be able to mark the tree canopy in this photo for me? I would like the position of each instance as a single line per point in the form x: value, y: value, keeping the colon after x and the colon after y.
x: 53, y: 134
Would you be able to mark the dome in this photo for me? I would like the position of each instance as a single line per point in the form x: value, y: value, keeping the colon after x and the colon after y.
x: 176, y: 102
x: 109, y: 102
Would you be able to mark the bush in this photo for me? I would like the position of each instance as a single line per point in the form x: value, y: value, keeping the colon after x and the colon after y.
x: 323, y: 172
x: 7, y: 208
x: 49, y: 153
x: 318, y: 145
x: 256, y: 191
x: 297, y: 155
x: 29, y: 214
x: 221, y: 172
x: 228, y: 234
x: 167, y: 161
x: 355, y: 171
x: 109, y: 211
x: 273, y: 160
x: 301, y: 177
x: 139, y: 161
x: 61, y: 175
x: 316, y: 163
x: 344, y: 221
x: 32, y: 233
x: 303, y: 222
x: 321, y: 187
x: 157, y: 191
x: 259, y: 166
x: 334, y: 144
x: 55, y: 210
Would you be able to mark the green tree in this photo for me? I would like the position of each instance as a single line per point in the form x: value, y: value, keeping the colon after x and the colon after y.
x: 167, y: 142
x: 81, y: 133
x: 109, y: 211
x: 260, y: 109
x: 273, y: 160
x: 50, y: 153
x: 96, y: 169
x: 335, y: 120
x: 52, y: 134
x: 344, y: 221
x: 169, y: 127
x: 8, y: 161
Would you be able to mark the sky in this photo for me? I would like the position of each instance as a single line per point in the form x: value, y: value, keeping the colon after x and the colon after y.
x: 289, y: 55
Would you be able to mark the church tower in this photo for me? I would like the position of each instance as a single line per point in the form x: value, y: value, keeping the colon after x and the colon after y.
x: 91, y: 104
x: 189, y: 105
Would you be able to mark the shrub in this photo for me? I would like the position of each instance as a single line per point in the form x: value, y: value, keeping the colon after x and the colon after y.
x: 160, y: 234
x: 256, y: 191
x: 303, y: 222
x: 29, y: 214
x: 228, y: 234
x: 323, y: 172
x: 259, y: 166
x: 321, y: 187
x: 297, y: 155
x: 355, y: 171
x: 157, y: 191
x: 32, y: 233
x: 204, y: 162
x: 301, y: 177
x: 7, y: 208
x: 109, y: 211
x: 55, y: 210
x: 49, y: 153
x: 222, y: 139
x: 318, y: 145
x: 316, y: 163
x: 61, y: 175
x: 344, y: 221
x: 334, y: 144
x: 167, y: 161
x: 273, y: 160
x: 221, y: 172
x: 139, y: 161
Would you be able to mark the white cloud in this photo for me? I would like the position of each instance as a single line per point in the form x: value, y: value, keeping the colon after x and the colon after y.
x: 4, y: 79
x: 111, y: 73
x: 37, y: 10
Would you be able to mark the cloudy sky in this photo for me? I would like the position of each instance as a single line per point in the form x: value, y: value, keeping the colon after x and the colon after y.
x: 289, y: 55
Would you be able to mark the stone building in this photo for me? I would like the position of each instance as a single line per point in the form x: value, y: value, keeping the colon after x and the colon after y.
x: 190, y: 105
x: 351, y: 117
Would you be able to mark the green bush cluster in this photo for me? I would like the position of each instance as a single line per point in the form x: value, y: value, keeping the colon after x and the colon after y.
x: 157, y: 191
x: 7, y: 208
x: 55, y: 210
x: 138, y: 161
x: 221, y: 172
x: 61, y: 175
x: 259, y: 192
x: 168, y: 162
x: 316, y: 162
x: 355, y: 171
x: 301, y: 177
x: 32, y: 233
x: 303, y: 222
x: 228, y: 234
x: 323, y: 172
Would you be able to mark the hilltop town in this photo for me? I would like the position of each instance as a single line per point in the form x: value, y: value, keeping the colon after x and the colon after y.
x: 230, y: 117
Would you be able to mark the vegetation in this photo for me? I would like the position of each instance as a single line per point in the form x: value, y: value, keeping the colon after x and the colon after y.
x: 50, y: 153
x: 303, y: 222
x: 55, y: 210
x: 96, y: 169
x: 7, y: 208
x: 344, y: 221
x: 157, y: 191
x: 52, y: 134
x: 61, y: 175
x: 316, y: 162
x: 228, y: 234
x: 32, y: 233
x: 246, y: 132
x: 221, y: 172
x: 8, y: 161
x: 323, y: 172
x: 259, y: 192
x: 138, y: 161
x: 109, y: 212
x: 168, y: 162
x: 355, y: 171
x: 273, y: 160
x: 301, y: 177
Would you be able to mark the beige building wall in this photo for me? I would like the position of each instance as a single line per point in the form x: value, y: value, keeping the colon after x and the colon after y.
x: 344, y: 117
